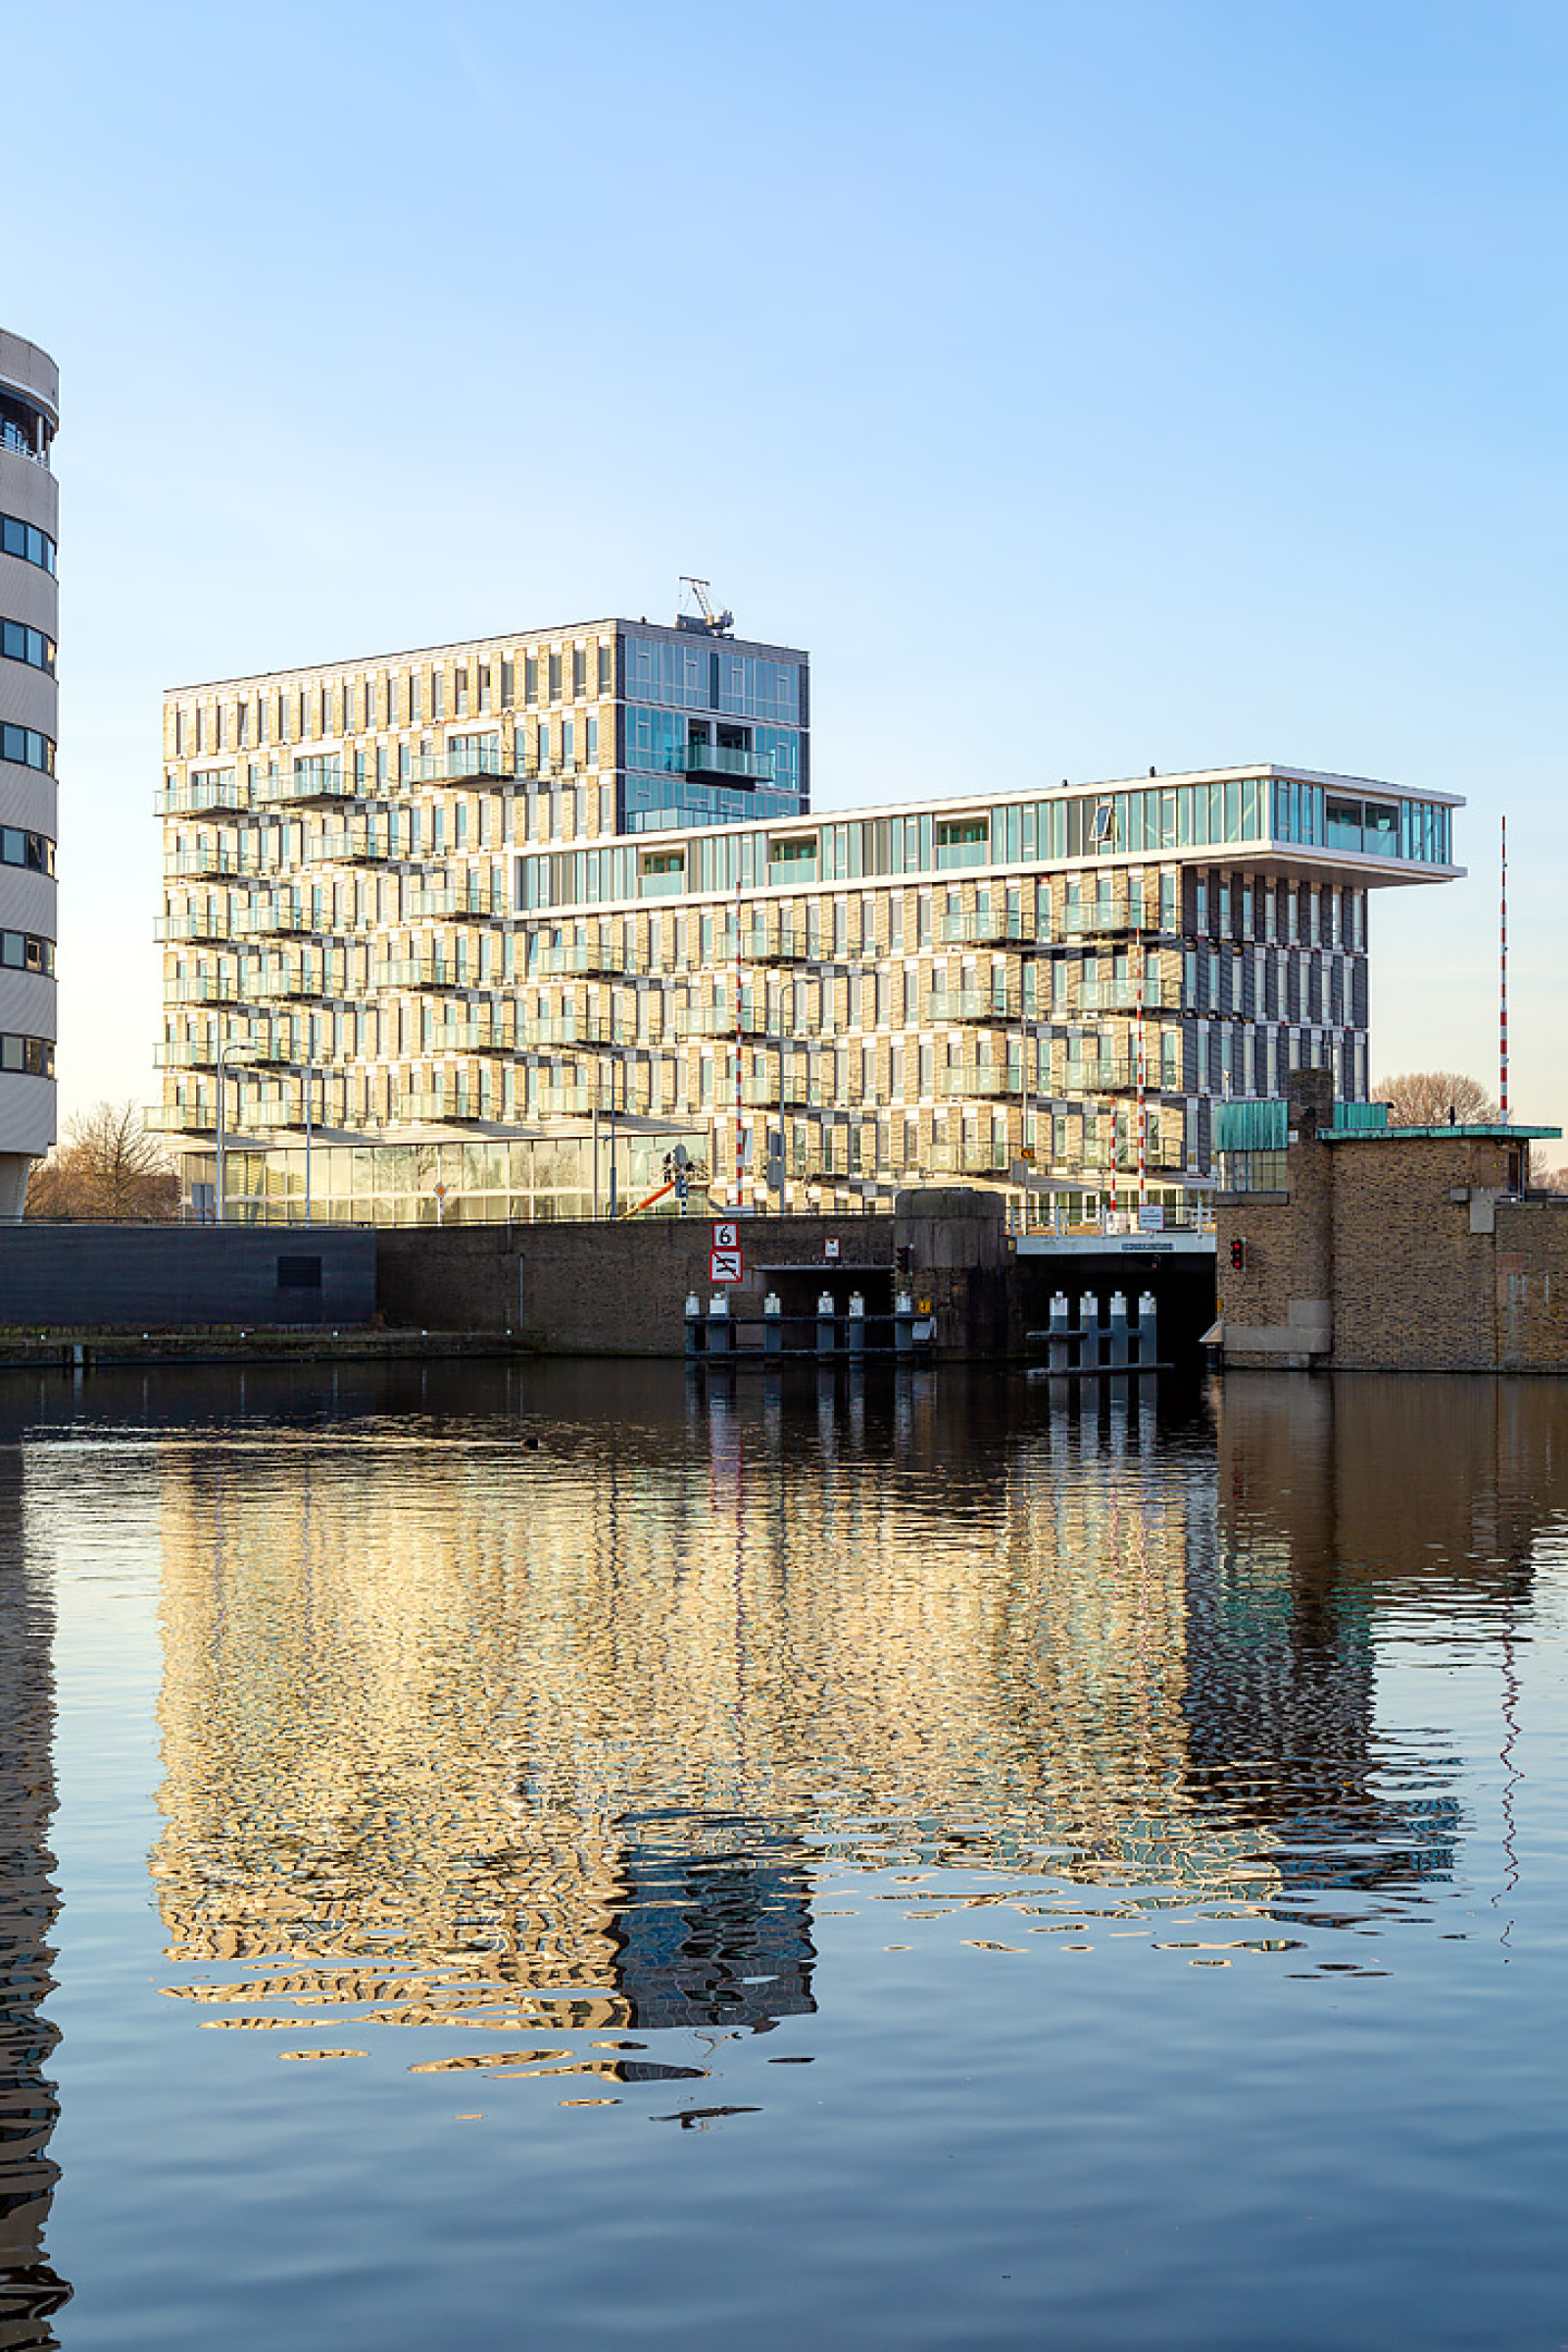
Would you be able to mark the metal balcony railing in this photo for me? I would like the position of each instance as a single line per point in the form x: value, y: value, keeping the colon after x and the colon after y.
x: 316, y: 781
x: 282, y: 917
x: 357, y: 846
x: 207, y: 988
x: 475, y: 1037
x: 1103, y: 922
x: 13, y: 440
x: 770, y: 947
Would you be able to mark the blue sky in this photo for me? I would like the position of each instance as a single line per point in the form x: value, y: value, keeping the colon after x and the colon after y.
x: 1086, y: 387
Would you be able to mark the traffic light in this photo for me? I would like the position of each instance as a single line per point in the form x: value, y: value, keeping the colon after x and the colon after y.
x: 1239, y: 1254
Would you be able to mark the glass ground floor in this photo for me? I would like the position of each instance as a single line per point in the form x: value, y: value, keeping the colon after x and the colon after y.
x: 540, y: 1179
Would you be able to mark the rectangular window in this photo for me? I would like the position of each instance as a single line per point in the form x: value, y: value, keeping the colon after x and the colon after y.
x: 509, y: 681
x: 606, y: 669
x: 555, y: 677
x: 580, y: 672
x: 530, y: 677
x: 590, y: 746
x: 438, y: 694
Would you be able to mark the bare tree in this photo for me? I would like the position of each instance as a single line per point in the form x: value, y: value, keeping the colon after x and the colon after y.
x: 1426, y: 1099
x: 108, y: 1166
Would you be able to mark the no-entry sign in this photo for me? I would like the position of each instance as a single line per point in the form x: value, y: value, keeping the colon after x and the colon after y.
x: 724, y: 1265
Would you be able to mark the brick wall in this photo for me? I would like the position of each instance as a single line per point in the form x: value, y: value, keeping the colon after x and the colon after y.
x: 1415, y: 1253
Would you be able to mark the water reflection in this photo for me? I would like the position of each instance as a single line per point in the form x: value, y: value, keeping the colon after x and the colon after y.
x: 477, y: 1737
x: 29, y: 2291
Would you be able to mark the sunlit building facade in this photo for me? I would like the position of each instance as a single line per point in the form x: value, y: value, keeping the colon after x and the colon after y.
x: 496, y: 920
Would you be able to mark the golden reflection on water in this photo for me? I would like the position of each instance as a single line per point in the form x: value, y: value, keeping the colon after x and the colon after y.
x: 465, y: 1735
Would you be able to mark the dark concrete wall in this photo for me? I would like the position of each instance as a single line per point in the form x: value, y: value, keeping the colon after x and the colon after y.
x: 620, y: 1290
x: 176, y: 1277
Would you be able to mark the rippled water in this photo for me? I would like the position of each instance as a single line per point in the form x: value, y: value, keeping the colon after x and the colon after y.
x: 563, y: 1858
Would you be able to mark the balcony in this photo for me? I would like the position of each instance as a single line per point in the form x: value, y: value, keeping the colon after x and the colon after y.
x: 312, y: 780
x: 17, y: 444
x: 800, y: 1093
x: 284, y: 917
x: 764, y: 945
x: 472, y: 760
x: 760, y: 1094
x: 974, y: 1006
x: 192, y: 1118
x: 170, y: 930
x: 582, y: 960
x: 970, y: 1158
x: 457, y: 905
x: 225, y: 794
x: 220, y: 862
x: 302, y: 976
x: 420, y: 971
x: 565, y: 1102
x: 438, y: 1105
x: 570, y: 1029
x: 1003, y: 929
x: 475, y: 1037
x: 1121, y: 995
x: 356, y: 846
x: 722, y: 1021
x: 980, y: 1081
x: 1113, y: 1078
x: 1104, y: 922
x: 207, y: 988
x: 186, y: 1054
x: 695, y: 759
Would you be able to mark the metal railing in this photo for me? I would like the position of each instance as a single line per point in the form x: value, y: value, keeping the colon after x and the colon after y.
x: 980, y: 1080
x: 17, y: 443
x: 973, y: 1004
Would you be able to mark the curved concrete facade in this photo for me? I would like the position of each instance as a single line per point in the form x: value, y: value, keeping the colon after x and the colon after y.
x: 29, y: 728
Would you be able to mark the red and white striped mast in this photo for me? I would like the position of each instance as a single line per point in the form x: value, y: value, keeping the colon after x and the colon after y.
x: 1503, y: 979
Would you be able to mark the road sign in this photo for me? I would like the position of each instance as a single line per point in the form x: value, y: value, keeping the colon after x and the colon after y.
x: 726, y: 1265
x: 726, y: 1235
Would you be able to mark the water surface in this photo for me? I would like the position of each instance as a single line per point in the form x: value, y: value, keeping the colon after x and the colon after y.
x: 567, y: 1856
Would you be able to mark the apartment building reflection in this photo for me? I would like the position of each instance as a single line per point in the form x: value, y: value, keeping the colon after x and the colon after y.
x: 473, y: 1733
x: 30, y: 2291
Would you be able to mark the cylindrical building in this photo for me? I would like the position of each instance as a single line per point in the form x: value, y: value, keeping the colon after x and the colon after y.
x: 29, y: 602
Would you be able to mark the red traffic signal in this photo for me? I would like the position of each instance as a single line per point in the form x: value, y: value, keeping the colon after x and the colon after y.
x: 1239, y: 1254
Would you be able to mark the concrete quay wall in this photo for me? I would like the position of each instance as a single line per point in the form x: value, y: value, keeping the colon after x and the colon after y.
x: 621, y: 1290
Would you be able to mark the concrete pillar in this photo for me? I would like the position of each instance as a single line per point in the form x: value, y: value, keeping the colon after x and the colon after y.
x: 773, y: 1325
x: 1090, y: 1353
x: 856, y: 1323
x: 824, y: 1323
x: 1059, y: 1346
x: 1148, y: 1340
x: 1119, y: 1326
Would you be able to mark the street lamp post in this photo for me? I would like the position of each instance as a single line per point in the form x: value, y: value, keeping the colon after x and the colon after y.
x: 225, y: 1053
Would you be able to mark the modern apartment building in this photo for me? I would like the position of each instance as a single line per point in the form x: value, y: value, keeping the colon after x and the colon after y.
x: 30, y: 622
x: 457, y: 933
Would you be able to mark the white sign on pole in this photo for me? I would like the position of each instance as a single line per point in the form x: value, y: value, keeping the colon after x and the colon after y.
x: 726, y: 1265
x: 1151, y: 1218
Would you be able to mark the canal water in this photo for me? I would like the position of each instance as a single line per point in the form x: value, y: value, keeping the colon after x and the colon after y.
x: 578, y: 1857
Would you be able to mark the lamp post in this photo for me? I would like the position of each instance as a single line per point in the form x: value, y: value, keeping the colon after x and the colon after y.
x: 240, y: 1055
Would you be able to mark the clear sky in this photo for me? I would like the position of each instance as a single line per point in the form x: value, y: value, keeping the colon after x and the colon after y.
x: 1152, y: 382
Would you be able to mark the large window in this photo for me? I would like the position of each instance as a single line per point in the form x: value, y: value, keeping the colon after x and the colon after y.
x: 25, y: 539
x: 35, y: 851
x: 25, y: 951
x: 34, y: 1056
x: 27, y: 747
x: 19, y: 643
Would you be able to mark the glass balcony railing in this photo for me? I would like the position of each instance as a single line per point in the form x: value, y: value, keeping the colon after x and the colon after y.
x: 171, y: 929
x: 565, y: 1102
x: 436, y: 1106
x: 476, y: 1037
x: 476, y: 904
x: 224, y: 796
x: 695, y: 759
x: 419, y: 972
x: 1103, y: 921
x: 465, y: 759
x: 1007, y: 928
x: 722, y: 1021
x: 586, y: 959
x: 980, y: 1080
x: 970, y: 1158
x: 219, y: 861
x: 570, y: 1029
x: 972, y: 1004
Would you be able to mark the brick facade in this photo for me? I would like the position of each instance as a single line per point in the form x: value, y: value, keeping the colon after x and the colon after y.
x: 1395, y: 1251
